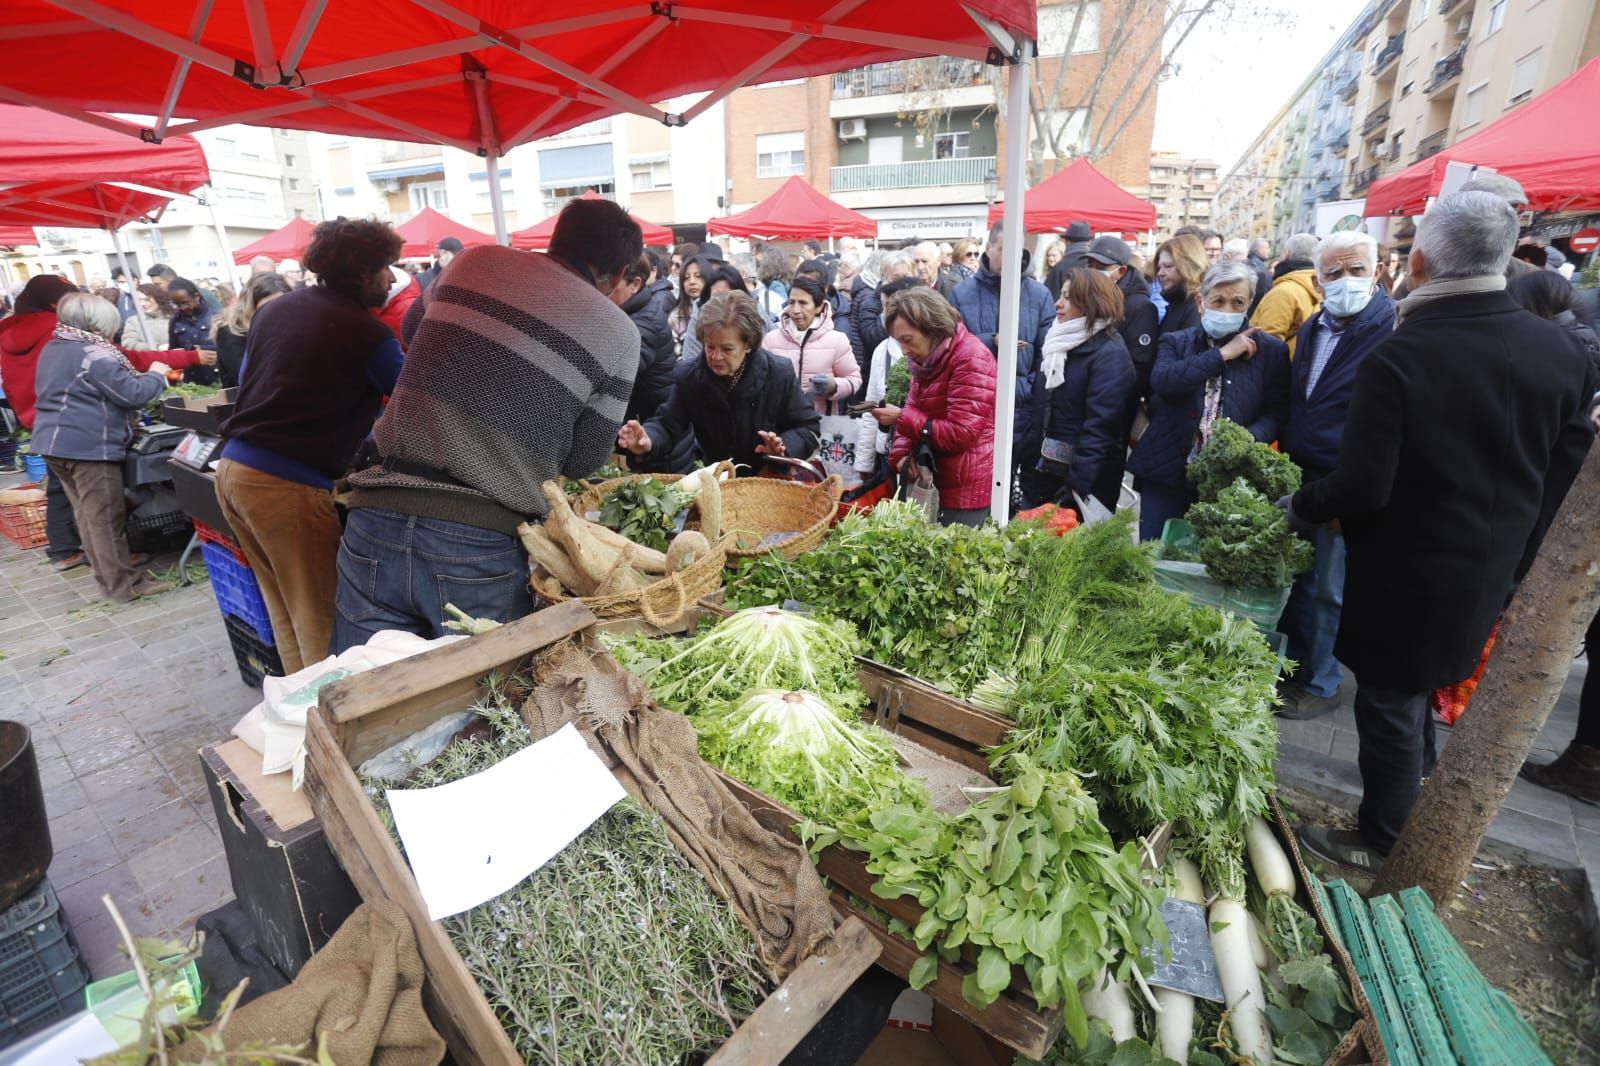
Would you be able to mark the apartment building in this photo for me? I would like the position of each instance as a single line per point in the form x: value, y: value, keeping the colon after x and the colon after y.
x: 1406, y: 79
x: 1182, y: 190
x: 918, y: 144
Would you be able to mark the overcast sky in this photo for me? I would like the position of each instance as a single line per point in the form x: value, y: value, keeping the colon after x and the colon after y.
x: 1235, y: 74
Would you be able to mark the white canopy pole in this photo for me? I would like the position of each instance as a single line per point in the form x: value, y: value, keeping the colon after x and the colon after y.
x: 491, y: 153
x: 1010, y: 279
x: 501, y: 236
x: 133, y: 284
x: 222, y: 239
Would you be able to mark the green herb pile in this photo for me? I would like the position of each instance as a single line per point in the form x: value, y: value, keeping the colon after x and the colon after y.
x: 1231, y: 453
x: 897, y: 383
x: 925, y: 598
x: 1308, y: 1008
x: 645, y: 511
x: 614, y: 951
x: 1245, y: 539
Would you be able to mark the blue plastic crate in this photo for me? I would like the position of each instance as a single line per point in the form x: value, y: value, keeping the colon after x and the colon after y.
x: 238, y: 593
x: 34, y: 465
x: 41, y: 977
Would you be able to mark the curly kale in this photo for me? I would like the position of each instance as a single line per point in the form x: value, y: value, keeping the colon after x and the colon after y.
x: 1245, y: 539
x: 1231, y: 453
x: 897, y: 383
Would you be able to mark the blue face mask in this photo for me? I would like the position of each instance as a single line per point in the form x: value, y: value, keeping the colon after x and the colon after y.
x: 1220, y: 324
x: 1346, y: 296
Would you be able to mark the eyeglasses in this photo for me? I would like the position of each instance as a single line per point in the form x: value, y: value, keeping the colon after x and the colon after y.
x: 971, y: 255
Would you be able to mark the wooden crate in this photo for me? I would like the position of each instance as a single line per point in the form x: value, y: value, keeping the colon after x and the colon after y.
x: 361, y: 716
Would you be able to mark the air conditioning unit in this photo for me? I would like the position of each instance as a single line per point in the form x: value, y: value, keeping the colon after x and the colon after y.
x: 1381, y: 152
x: 852, y: 129
x: 387, y: 184
x: 1464, y: 25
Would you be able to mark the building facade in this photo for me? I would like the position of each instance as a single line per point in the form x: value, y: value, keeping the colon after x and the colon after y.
x: 1182, y: 190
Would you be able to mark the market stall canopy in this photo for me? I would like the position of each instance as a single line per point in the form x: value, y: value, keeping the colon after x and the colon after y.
x: 423, y: 231
x: 1546, y: 144
x: 288, y: 242
x: 1081, y: 192
x: 12, y: 236
x: 537, y: 237
x: 56, y: 172
x: 796, y: 212
x: 464, y: 72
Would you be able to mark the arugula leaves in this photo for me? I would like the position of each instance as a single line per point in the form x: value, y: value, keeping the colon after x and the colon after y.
x: 645, y: 511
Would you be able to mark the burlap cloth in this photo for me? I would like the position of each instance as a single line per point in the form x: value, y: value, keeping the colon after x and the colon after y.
x: 768, y: 879
x: 363, y: 989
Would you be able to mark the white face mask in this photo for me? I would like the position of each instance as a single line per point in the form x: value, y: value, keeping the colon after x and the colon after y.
x: 1346, y: 296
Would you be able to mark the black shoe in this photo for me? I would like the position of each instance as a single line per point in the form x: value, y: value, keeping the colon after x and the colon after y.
x: 1346, y: 847
x: 1300, y: 705
x: 1575, y: 773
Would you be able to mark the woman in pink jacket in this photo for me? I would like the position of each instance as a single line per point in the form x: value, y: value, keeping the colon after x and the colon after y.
x: 822, y: 357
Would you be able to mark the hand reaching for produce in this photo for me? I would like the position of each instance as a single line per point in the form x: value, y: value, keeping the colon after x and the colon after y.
x: 158, y: 367
x: 771, y: 443
x: 206, y: 356
x: 886, y: 416
x: 1242, y: 345
x: 634, y: 439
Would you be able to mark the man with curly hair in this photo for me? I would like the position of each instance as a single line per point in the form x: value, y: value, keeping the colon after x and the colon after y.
x: 316, y: 368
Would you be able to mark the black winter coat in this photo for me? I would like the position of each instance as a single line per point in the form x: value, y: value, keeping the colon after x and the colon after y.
x: 865, y: 317
x: 657, y: 357
x: 1141, y: 328
x: 1089, y: 410
x: 1316, y: 422
x: 1465, y: 430
x: 1182, y: 312
x: 767, y: 397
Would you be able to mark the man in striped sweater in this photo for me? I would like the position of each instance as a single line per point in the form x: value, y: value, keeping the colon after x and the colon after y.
x: 519, y: 372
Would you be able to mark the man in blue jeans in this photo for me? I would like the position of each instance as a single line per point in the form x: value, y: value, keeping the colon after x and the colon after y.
x: 519, y: 373
x: 1356, y: 316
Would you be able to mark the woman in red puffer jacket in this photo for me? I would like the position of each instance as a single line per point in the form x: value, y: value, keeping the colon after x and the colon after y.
x: 24, y: 335
x: 952, y: 397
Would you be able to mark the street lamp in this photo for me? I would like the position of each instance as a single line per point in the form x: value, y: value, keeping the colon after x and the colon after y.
x: 991, y: 186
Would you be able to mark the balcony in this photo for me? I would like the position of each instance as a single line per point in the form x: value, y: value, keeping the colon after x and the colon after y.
x: 1446, y: 72
x: 1384, y: 62
x: 1376, y: 120
x: 1340, y: 144
x: 928, y: 75
x: 1432, y: 144
x: 1363, y: 178
x: 1447, y: 6
x: 1346, y: 88
x: 916, y: 174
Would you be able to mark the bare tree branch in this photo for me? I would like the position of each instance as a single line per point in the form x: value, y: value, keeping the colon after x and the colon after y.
x: 1101, y: 145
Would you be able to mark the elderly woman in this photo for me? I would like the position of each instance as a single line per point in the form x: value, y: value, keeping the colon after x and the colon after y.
x: 1219, y: 369
x: 950, y: 411
x: 819, y: 352
x: 965, y: 257
x: 88, y: 403
x: 1089, y: 380
x: 1180, y: 265
x: 741, y: 401
x: 719, y: 278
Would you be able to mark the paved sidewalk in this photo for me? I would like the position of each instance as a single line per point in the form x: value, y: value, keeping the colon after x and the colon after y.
x: 119, y: 699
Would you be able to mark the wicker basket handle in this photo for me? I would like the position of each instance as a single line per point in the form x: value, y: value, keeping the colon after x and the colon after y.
x: 648, y: 612
x: 834, y: 485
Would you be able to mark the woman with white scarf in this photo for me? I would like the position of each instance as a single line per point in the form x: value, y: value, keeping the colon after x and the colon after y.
x: 876, y: 425
x: 1088, y: 381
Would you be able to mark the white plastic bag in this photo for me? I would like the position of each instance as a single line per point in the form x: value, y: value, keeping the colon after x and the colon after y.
x: 925, y: 494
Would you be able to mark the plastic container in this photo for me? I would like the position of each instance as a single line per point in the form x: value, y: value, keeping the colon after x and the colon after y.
x: 119, y: 1003
x: 160, y: 527
x: 34, y: 465
x: 1261, y: 606
x: 238, y: 593
x: 256, y: 658
x: 41, y: 976
x: 25, y: 851
x: 208, y: 535
x: 23, y: 523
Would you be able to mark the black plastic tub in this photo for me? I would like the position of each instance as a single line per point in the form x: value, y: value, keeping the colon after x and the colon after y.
x: 25, y: 851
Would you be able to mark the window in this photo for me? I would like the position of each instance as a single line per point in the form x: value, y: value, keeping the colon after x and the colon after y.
x: 294, y: 184
x: 555, y: 198
x: 780, y: 154
x: 257, y: 202
x: 952, y: 145
x: 1524, y: 76
x: 288, y: 160
x: 1472, y: 113
x: 1497, y: 16
x: 227, y: 147
x: 1055, y: 23
x: 648, y: 174
x: 1066, y: 127
x: 481, y: 204
x: 1419, y: 10
x: 1410, y: 79
x: 427, y: 194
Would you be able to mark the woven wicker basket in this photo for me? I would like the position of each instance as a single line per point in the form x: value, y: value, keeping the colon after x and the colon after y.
x: 754, y: 508
x: 661, y: 604
x: 590, y: 498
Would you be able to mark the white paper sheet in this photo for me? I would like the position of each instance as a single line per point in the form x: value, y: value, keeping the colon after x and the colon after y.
x: 475, y: 838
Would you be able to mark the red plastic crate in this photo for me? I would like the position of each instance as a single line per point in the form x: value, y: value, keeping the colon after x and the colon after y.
x: 208, y: 535
x: 23, y: 523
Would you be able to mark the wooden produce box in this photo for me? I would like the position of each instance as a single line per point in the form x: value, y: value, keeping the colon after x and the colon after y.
x: 363, y: 715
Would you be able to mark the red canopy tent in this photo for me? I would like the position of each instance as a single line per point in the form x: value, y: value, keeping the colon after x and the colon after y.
x: 1081, y: 192
x: 424, y: 230
x: 1547, y: 145
x: 537, y: 237
x: 12, y: 236
x: 287, y: 242
x: 796, y: 212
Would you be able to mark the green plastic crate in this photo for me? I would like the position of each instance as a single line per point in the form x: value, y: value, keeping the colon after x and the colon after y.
x: 119, y: 1003
x: 1359, y: 940
x: 1416, y: 1001
x: 1261, y: 606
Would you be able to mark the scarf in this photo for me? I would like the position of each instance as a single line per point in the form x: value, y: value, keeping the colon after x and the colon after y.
x: 1062, y: 339
x: 1436, y: 290
x: 935, y: 361
x: 94, y: 341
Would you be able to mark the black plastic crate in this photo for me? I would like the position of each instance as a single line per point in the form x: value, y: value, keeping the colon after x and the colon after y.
x: 257, y: 659
x: 41, y: 976
x: 160, y: 530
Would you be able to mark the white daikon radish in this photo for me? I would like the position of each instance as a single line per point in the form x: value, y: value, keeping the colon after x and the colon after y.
x: 1108, y: 1001
x: 1273, y: 872
x: 1188, y: 875
x: 1175, y: 1024
x: 1241, y: 981
x: 1258, y: 944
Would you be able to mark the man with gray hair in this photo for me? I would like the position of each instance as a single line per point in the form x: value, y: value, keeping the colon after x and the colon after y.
x: 1356, y: 316
x: 1293, y: 297
x: 929, y: 266
x: 262, y: 264
x: 1465, y: 428
x: 865, y: 313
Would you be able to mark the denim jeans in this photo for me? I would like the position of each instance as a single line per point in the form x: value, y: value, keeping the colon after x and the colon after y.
x: 1395, y: 732
x: 1157, y: 503
x: 1311, y: 618
x: 397, y: 571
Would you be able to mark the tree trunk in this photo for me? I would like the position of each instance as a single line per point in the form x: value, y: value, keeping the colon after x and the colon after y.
x: 1526, y: 671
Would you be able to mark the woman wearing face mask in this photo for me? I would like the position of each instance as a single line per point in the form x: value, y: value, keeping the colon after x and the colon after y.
x: 820, y: 354
x: 1218, y: 369
x: 1089, y: 380
x: 740, y: 401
